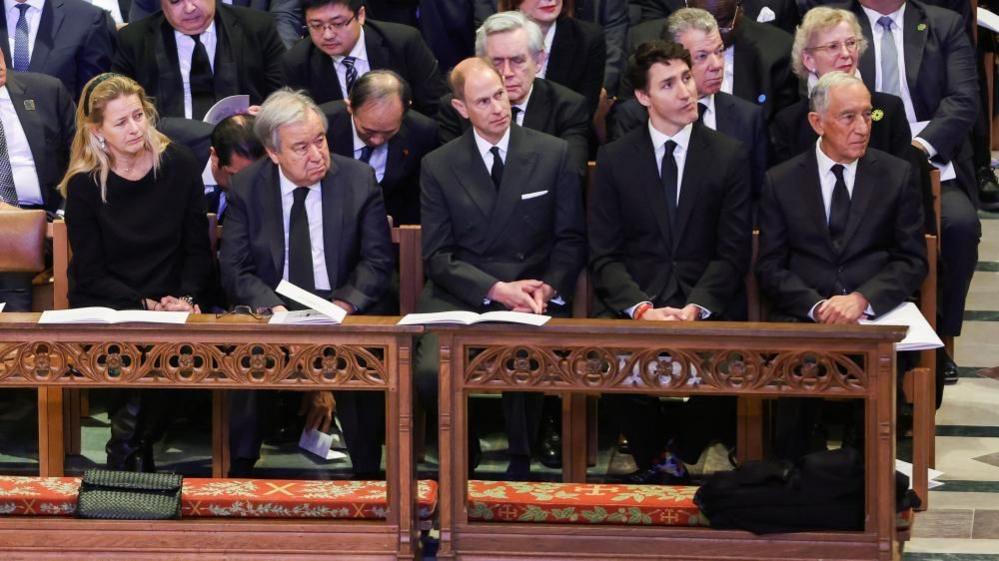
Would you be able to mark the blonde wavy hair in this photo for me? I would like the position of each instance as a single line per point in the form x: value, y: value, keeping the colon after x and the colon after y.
x: 86, y: 154
x: 817, y: 20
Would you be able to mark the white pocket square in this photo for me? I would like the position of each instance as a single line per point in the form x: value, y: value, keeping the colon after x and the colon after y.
x: 766, y: 14
x: 533, y: 195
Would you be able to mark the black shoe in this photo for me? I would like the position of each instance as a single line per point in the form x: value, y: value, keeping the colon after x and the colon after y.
x: 655, y: 476
x: 550, y: 455
x: 242, y: 467
x: 988, y: 189
x: 947, y: 367
x: 519, y: 469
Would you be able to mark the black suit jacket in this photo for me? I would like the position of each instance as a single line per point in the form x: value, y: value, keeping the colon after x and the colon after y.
x: 401, y: 183
x: 194, y: 134
x: 791, y: 133
x: 448, y: 28
x: 47, y: 114
x: 786, y: 15
x: 247, y: 57
x: 883, y: 255
x: 762, y: 63
x: 287, y: 14
x: 578, y: 57
x: 636, y: 256
x: 552, y: 109
x: 75, y: 42
x: 612, y: 17
x: 734, y: 117
x: 357, y: 243
x: 391, y: 46
x: 943, y: 84
x: 475, y: 236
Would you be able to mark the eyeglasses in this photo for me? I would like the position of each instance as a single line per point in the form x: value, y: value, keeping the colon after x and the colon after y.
x: 241, y: 310
x: 334, y: 26
x: 836, y: 47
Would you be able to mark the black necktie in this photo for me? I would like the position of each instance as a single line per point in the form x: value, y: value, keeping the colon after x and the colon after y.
x: 497, y: 171
x: 669, y: 178
x: 702, y: 108
x: 300, y: 271
x: 516, y: 111
x: 201, y: 82
x: 839, y: 210
x: 366, y: 153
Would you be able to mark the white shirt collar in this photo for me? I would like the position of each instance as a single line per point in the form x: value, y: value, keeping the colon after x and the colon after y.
x: 358, y: 143
x: 287, y: 187
x: 360, y: 51
x: 523, y: 104
x: 896, y: 17
x: 709, y: 102
x: 36, y: 4
x: 826, y: 163
x: 681, y: 138
x: 4, y: 93
x: 484, y: 145
x: 208, y: 32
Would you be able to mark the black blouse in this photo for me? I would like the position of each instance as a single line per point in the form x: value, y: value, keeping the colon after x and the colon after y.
x: 149, y: 240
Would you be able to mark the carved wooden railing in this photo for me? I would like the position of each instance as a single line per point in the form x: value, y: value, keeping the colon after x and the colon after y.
x: 606, y: 356
x: 232, y: 352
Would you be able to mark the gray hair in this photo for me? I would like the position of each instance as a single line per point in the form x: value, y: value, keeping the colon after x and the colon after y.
x: 687, y: 19
x: 503, y: 22
x: 819, y: 98
x: 283, y: 107
x: 817, y: 20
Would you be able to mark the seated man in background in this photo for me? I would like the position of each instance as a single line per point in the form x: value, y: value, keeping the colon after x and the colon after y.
x: 840, y: 232
x: 377, y: 127
x: 503, y: 229
x: 670, y: 240
x: 318, y: 221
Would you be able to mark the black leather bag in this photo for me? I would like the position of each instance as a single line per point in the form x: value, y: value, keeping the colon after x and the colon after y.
x: 125, y: 495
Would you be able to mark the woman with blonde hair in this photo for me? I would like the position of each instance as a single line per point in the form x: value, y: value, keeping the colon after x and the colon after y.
x: 137, y: 226
x: 828, y: 40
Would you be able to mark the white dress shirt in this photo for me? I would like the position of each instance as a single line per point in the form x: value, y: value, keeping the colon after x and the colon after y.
x: 111, y: 7
x: 379, y: 156
x: 710, y: 119
x: 185, y: 50
x: 22, y: 163
x: 522, y: 106
x: 485, y: 146
x: 361, y: 63
x: 549, y: 39
x: 34, y: 17
x: 728, y: 77
x: 314, y: 211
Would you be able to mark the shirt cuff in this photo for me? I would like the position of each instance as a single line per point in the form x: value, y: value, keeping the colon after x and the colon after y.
x: 704, y: 313
x: 811, y: 313
x: 929, y: 147
x: 630, y: 312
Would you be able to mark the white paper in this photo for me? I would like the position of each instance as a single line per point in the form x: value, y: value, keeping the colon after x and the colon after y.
x: 107, y: 315
x: 310, y: 300
x: 766, y: 14
x: 2, y: 304
x: 932, y: 474
x: 946, y: 170
x: 301, y: 317
x: 227, y: 107
x: 469, y: 318
x: 319, y: 443
x: 920, y: 336
x: 988, y: 20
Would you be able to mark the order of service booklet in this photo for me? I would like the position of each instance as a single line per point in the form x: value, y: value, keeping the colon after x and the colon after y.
x: 470, y: 318
x: 99, y: 314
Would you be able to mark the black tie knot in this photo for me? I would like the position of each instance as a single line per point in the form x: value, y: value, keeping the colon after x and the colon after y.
x: 366, y: 153
x: 702, y: 108
x: 670, y: 147
x: 197, y: 38
x: 516, y: 111
x: 837, y: 170
x: 299, y: 194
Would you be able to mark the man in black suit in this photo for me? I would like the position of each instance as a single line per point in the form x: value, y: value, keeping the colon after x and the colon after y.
x: 757, y: 56
x: 287, y: 14
x: 502, y: 230
x: 840, y: 233
x: 377, y: 127
x: 39, y: 121
x: 317, y: 221
x: 515, y: 46
x: 940, y: 93
x: 71, y: 40
x: 697, y: 31
x: 193, y: 53
x: 343, y: 44
x: 670, y: 238
x: 780, y: 13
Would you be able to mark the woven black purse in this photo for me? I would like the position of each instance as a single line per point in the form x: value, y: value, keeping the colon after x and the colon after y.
x: 125, y: 495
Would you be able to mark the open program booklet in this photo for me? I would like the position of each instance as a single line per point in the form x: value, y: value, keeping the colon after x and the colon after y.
x: 470, y: 318
x: 920, y: 336
x: 107, y: 315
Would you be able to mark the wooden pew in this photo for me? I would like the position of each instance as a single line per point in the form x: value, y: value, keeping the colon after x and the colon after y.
x: 365, y: 353
x: 585, y: 357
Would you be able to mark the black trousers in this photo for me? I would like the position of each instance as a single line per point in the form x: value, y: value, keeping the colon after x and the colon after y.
x: 959, y: 238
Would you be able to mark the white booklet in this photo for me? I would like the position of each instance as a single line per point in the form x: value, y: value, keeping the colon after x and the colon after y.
x: 932, y: 475
x: 320, y: 444
x: 227, y: 107
x: 470, y: 318
x: 920, y: 336
x: 311, y: 301
x: 107, y: 315
x: 301, y: 317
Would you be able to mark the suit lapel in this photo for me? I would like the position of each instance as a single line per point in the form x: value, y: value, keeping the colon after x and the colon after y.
x: 274, y: 216
x: 342, y: 137
x: 398, y: 151
x: 745, y: 83
x: 914, y: 41
x: 863, y: 192
x: 517, y: 172
x: 725, y: 122
x: 648, y: 177
x: 472, y: 174
x: 698, y: 159
x: 332, y: 222
x: 30, y: 121
x: 48, y: 31
x: 378, y: 55
x: 537, y: 107
x: 228, y: 46
x: 323, y: 79
x: 867, y: 61
x: 563, y: 49
x: 812, y: 193
x: 170, y: 83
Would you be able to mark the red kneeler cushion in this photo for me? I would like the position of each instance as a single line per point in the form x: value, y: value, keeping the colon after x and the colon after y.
x: 227, y: 498
x: 583, y: 503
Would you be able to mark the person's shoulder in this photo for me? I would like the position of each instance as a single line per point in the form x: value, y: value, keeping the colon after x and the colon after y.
x: 624, y: 148
x: 178, y: 158
x: 735, y: 103
x: 790, y: 172
x: 448, y: 152
x: 36, y: 81
x: 334, y: 110
x: 586, y: 29
x: 887, y: 166
x: 77, y: 9
x: 542, y: 142
x: 648, y: 30
x: 139, y: 28
x: 767, y: 37
x: 250, y: 17
x: 559, y: 93
x: 723, y: 145
x: 393, y: 33
x: 350, y: 168
x: 943, y: 16
x: 419, y: 124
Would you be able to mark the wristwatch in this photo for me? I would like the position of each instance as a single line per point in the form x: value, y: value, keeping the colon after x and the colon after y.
x: 189, y: 299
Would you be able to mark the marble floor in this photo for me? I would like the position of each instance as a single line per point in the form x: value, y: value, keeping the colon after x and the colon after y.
x: 962, y: 523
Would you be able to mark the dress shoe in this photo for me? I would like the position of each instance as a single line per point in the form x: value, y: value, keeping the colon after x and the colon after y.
x: 947, y: 366
x: 669, y: 471
x: 519, y: 468
x: 551, y: 446
x: 988, y: 189
x: 242, y: 467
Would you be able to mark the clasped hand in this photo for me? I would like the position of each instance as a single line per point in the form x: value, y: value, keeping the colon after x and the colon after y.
x: 530, y: 295
x: 844, y: 309
x: 171, y: 304
x: 690, y: 312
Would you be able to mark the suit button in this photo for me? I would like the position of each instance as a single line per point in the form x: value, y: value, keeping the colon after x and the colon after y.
x: 840, y: 270
x: 519, y: 256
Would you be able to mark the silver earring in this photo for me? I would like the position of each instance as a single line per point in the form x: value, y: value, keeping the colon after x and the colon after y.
x: 102, y: 143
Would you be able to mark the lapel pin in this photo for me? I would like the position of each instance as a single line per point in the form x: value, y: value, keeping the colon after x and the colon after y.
x: 877, y: 115
x: 29, y: 105
x: 405, y: 152
x: 921, y: 27
x: 762, y: 98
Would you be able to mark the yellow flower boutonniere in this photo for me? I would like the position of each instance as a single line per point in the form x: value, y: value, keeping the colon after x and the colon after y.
x: 921, y: 27
x: 877, y: 115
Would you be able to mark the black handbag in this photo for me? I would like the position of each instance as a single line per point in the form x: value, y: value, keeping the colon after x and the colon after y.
x: 126, y: 495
